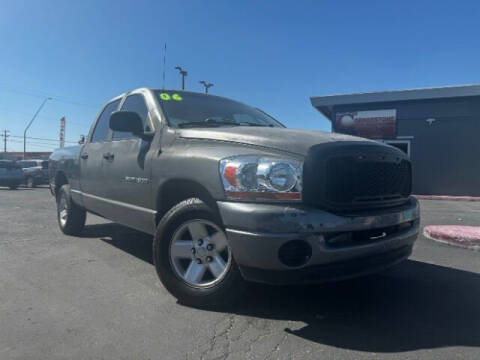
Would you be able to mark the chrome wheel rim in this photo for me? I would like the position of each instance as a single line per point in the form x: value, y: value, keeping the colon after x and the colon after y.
x: 199, y: 253
x: 63, y: 210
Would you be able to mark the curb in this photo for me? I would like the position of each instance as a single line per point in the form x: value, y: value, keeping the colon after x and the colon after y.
x: 448, y: 197
x: 467, y: 237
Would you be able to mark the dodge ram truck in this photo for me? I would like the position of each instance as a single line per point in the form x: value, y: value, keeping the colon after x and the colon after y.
x: 230, y: 194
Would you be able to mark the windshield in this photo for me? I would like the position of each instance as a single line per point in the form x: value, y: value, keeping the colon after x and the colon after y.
x: 186, y: 109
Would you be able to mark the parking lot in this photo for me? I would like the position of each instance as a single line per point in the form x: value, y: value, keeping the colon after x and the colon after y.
x: 98, y: 297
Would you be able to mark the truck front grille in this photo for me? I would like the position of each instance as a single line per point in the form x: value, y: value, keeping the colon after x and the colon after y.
x: 356, y: 177
x: 349, y: 180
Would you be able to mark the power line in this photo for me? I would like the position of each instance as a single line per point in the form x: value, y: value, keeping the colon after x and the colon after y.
x: 44, y: 139
x: 26, y: 114
x: 41, y: 94
x: 49, y: 146
x: 34, y: 143
x: 41, y: 116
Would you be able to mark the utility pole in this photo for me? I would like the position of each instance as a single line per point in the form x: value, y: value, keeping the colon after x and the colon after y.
x: 62, y: 132
x: 30, y: 123
x: 183, y: 73
x: 207, y: 85
x: 5, y: 136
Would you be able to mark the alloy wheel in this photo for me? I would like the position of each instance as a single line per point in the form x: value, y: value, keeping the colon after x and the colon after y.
x: 199, y: 253
x: 63, y: 209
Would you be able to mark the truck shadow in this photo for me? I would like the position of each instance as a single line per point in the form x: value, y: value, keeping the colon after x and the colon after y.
x: 412, y: 306
x: 131, y: 241
x: 4, y: 188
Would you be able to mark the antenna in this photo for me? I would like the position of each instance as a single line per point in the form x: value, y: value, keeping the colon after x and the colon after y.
x: 164, y: 60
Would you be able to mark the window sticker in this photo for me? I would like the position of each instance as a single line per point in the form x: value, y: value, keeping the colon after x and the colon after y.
x: 177, y: 97
x: 165, y: 96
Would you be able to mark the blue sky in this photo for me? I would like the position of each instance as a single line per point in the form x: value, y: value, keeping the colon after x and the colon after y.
x: 270, y: 54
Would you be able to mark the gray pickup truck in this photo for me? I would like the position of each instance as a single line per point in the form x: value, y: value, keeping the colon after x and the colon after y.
x: 230, y: 194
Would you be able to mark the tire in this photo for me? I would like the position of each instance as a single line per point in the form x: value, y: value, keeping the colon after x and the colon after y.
x: 209, y: 291
x: 30, y: 181
x: 71, y: 218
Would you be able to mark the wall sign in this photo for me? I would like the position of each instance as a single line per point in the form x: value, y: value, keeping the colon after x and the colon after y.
x: 373, y: 124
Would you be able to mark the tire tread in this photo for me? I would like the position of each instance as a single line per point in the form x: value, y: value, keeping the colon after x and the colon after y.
x: 224, y: 292
x: 76, y: 215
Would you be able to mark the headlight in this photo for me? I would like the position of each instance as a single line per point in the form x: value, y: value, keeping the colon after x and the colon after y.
x: 261, y: 178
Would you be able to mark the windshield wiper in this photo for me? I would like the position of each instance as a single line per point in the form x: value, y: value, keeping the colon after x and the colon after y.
x: 256, y: 124
x: 207, y: 124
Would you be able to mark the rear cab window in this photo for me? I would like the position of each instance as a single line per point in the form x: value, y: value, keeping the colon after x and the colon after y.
x: 102, y: 127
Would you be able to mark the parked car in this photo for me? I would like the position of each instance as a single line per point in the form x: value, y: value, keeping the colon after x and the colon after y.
x: 11, y: 174
x: 230, y: 193
x: 35, y: 171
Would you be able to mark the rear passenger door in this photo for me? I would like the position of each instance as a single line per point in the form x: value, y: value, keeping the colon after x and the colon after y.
x: 92, y: 179
x: 128, y: 169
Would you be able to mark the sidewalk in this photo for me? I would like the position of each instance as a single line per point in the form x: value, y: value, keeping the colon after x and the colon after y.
x: 448, y: 197
x: 467, y: 237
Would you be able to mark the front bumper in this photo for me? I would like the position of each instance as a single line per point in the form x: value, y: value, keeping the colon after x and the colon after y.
x: 256, y: 232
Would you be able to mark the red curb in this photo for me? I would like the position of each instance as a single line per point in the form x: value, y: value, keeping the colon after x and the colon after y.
x: 463, y: 236
x: 448, y: 197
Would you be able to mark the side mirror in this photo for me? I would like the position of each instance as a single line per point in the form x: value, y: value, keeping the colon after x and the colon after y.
x: 126, y: 121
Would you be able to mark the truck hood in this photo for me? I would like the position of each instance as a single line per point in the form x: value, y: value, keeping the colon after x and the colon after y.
x: 283, y: 139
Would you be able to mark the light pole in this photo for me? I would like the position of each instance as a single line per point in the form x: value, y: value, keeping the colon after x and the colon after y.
x: 30, y: 123
x: 183, y: 73
x: 206, y: 84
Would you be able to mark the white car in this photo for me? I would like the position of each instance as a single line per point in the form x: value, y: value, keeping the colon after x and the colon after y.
x: 35, y: 171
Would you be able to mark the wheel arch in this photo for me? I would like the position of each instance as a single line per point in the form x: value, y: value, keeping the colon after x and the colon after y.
x: 174, y: 191
x: 60, y: 180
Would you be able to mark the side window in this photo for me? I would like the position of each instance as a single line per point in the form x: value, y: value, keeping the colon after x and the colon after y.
x: 135, y: 103
x: 101, y: 129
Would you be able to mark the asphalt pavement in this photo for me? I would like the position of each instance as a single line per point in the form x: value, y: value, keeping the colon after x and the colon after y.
x: 98, y: 297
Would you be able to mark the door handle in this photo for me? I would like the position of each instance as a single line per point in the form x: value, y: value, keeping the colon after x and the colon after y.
x: 108, y: 156
x: 84, y: 156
